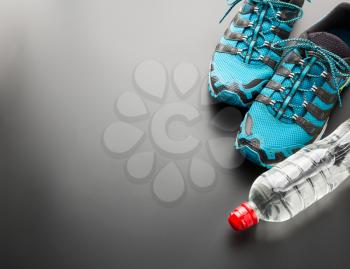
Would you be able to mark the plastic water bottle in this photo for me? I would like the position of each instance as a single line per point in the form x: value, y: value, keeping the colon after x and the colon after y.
x: 298, y: 182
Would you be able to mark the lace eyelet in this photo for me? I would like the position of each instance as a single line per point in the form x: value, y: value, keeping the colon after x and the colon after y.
x: 295, y: 117
x: 305, y: 104
x: 291, y: 75
x: 314, y: 88
x: 267, y: 44
x: 282, y: 89
x: 324, y: 74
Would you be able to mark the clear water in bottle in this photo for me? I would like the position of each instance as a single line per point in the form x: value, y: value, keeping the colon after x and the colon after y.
x: 298, y: 182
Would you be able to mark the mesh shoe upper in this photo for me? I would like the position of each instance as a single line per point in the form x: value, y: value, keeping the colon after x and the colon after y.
x: 294, y: 107
x: 244, y: 60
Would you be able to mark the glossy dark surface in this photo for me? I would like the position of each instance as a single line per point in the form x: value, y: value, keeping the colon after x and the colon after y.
x: 69, y: 199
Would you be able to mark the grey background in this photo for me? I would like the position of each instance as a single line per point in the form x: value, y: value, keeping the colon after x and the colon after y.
x: 66, y: 202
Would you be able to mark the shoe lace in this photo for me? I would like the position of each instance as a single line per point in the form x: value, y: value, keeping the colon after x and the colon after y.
x: 329, y: 62
x: 264, y: 5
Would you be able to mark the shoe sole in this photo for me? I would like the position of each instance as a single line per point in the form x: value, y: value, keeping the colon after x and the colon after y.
x: 259, y: 156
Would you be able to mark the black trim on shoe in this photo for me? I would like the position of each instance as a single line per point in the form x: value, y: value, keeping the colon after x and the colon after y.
x: 254, y: 145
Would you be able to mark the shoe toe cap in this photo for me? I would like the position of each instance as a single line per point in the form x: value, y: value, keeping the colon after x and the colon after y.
x: 266, y: 140
x: 230, y: 76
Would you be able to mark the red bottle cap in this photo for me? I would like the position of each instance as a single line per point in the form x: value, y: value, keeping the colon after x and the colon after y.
x: 243, y: 217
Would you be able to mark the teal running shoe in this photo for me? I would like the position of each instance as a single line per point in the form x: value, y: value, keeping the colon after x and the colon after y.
x: 244, y: 60
x: 293, y: 109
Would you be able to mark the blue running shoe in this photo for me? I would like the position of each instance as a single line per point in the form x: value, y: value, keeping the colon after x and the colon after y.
x: 293, y: 109
x: 244, y: 61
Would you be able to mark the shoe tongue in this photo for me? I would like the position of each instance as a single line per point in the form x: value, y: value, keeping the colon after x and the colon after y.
x: 330, y: 42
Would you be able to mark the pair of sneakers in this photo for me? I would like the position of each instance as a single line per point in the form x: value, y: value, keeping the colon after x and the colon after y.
x: 289, y: 85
